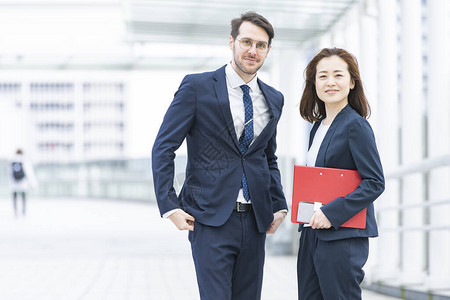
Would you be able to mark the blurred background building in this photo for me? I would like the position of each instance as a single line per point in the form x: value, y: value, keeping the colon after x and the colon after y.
x: 84, y: 86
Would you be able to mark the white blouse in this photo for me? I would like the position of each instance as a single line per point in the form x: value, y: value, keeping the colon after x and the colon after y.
x: 311, y: 157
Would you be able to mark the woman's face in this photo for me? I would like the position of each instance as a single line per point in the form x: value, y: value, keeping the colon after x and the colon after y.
x: 333, y: 81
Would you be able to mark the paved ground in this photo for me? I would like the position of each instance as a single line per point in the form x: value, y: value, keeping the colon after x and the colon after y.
x: 79, y: 249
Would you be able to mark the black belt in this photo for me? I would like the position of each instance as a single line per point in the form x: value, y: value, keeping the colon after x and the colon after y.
x: 242, y: 207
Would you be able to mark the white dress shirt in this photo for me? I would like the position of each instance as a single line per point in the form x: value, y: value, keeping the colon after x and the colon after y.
x: 261, y: 113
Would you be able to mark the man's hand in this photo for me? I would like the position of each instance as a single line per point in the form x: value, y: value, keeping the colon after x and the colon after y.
x: 182, y: 220
x: 319, y: 220
x: 278, y: 218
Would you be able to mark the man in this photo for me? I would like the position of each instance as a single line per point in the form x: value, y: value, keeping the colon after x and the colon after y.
x: 232, y: 195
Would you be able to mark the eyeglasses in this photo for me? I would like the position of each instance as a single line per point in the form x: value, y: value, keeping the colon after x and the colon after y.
x: 245, y: 44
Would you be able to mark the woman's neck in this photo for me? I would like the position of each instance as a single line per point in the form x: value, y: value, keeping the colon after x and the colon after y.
x: 332, y: 110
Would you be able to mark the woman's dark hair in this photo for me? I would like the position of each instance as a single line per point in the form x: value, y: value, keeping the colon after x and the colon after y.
x: 255, y: 19
x: 311, y: 107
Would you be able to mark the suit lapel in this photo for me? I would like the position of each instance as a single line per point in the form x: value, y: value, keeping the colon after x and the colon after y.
x: 273, y: 110
x: 320, y: 160
x: 313, y: 132
x: 220, y: 85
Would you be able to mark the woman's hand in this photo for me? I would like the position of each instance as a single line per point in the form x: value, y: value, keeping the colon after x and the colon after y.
x: 319, y: 220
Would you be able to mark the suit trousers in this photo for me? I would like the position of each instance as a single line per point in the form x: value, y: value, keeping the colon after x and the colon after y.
x: 330, y: 270
x: 229, y: 259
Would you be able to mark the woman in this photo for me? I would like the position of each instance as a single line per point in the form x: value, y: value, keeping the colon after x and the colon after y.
x: 330, y: 257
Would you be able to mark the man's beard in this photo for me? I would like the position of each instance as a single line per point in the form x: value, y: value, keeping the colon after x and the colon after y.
x: 242, y: 67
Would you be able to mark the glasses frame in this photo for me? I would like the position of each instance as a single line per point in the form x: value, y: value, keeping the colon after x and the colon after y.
x: 253, y: 42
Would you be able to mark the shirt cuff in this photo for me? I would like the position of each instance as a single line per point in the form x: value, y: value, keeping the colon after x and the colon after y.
x: 170, y: 212
x: 283, y: 211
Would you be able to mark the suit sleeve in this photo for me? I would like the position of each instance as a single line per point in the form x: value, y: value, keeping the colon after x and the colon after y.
x: 276, y: 189
x: 362, y: 146
x: 174, y: 129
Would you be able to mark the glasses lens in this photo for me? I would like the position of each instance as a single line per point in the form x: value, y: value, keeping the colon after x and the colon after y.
x: 245, y: 44
x: 262, y: 47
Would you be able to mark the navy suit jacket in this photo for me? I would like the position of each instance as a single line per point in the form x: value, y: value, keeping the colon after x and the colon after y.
x: 350, y: 144
x: 200, y: 112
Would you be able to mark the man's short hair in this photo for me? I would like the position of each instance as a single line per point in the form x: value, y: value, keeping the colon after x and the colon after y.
x: 255, y: 19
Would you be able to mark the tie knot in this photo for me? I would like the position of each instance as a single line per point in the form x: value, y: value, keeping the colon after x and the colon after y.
x: 245, y: 88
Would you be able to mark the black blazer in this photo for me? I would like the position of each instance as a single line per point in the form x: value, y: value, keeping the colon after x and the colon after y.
x: 200, y: 112
x: 350, y: 144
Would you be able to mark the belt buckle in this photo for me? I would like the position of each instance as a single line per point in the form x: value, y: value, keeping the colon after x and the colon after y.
x: 240, y: 207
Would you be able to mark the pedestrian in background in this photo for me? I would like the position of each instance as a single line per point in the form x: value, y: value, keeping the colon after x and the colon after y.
x: 22, y: 179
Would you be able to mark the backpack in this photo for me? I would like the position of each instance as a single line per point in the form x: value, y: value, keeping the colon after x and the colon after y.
x: 18, y: 172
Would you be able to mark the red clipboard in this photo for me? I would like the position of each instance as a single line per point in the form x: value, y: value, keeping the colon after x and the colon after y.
x: 313, y: 184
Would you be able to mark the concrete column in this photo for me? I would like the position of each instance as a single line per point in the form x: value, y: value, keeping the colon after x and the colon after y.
x: 287, y: 69
x: 78, y: 101
x: 286, y: 75
x: 413, y: 241
x: 438, y: 112
x: 387, y: 135
x: 367, y: 60
x: 355, y: 29
x: 27, y: 130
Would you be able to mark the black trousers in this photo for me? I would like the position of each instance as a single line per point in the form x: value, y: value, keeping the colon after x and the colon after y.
x: 24, y: 202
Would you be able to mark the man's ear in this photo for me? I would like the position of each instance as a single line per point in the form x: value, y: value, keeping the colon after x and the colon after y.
x: 231, y: 42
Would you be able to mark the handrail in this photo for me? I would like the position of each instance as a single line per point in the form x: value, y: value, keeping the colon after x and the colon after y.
x: 421, y: 167
x: 415, y: 205
x: 416, y: 228
x: 424, y: 166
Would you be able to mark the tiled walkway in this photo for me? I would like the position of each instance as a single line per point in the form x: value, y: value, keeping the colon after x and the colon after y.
x: 79, y: 249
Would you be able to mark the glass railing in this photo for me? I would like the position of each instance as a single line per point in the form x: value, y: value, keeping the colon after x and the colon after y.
x: 125, y: 179
x: 129, y: 179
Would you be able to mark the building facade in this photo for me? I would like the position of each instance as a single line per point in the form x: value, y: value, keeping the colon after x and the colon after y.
x: 61, y: 118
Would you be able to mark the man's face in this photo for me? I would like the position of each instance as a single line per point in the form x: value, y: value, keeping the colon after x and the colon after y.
x: 246, y: 62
